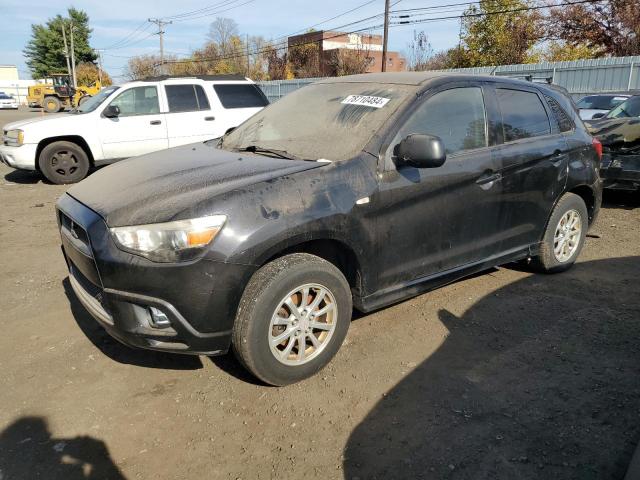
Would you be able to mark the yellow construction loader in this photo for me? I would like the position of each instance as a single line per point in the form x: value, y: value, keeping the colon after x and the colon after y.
x: 56, y: 96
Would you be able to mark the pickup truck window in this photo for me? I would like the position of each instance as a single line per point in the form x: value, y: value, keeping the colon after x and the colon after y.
x: 240, y: 96
x: 186, y: 98
x: 137, y: 101
x: 457, y: 116
x: 333, y: 121
x: 523, y: 115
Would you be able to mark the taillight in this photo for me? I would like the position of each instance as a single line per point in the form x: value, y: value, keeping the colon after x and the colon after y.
x: 597, y: 146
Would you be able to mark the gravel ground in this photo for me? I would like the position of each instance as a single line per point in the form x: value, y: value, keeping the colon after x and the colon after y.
x: 505, y: 375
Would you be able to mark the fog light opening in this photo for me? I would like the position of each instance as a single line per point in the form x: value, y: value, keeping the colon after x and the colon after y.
x: 158, y: 319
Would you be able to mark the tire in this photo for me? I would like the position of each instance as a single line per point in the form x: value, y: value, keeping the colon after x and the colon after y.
x: 557, y: 252
x: 263, y: 301
x: 51, y: 104
x: 63, y: 162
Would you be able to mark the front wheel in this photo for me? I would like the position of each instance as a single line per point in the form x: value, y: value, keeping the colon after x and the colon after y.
x: 63, y: 162
x: 564, y: 236
x: 52, y: 105
x: 292, y: 319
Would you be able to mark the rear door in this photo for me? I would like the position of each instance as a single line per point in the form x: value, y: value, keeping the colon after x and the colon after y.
x: 140, y: 128
x: 235, y: 102
x: 533, y: 158
x: 190, y: 117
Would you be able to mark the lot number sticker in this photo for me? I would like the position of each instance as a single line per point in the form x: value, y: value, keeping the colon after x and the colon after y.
x: 366, y: 100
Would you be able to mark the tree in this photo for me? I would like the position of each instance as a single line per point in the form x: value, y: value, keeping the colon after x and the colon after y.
x: 562, y: 52
x: 607, y: 28
x: 278, y: 67
x: 353, y: 61
x: 499, y: 32
x: 304, y: 58
x: 420, y: 52
x: 87, y: 74
x: 222, y: 32
x: 45, y: 50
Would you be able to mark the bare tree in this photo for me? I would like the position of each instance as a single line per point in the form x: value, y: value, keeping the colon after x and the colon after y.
x: 222, y: 32
x: 420, y: 51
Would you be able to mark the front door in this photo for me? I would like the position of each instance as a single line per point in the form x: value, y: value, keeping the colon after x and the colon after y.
x: 140, y: 128
x: 436, y: 219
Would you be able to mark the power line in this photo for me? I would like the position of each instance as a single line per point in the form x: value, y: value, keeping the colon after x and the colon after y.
x: 138, y: 30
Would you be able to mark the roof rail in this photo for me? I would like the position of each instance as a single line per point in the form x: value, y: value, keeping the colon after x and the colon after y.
x: 232, y: 76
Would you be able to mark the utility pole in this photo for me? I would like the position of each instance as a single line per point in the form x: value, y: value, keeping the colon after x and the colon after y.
x: 66, y: 50
x: 248, y: 59
x: 100, y: 66
x: 73, y: 60
x: 386, y: 35
x: 160, y: 23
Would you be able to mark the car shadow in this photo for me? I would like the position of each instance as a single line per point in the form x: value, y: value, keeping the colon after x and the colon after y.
x: 120, y: 352
x: 626, y: 200
x: 24, y: 177
x: 539, y: 379
x: 28, y: 450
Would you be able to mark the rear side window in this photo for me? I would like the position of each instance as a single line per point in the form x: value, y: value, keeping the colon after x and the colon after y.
x: 240, y: 96
x: 565, y: 124
x: 523, y: 115
x: 186, y: 98
x: 457, y: 116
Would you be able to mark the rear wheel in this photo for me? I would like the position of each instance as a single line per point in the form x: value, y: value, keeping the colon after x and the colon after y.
x: 63, y: 162
x: 564, y: 236
x: 51, y: 104
x: 292, y: 319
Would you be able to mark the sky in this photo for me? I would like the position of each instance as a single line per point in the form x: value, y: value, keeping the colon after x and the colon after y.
x: 120, y: 26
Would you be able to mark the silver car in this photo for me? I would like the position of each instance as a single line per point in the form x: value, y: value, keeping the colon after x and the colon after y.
x: 599, y: 104
x: 7, y: 101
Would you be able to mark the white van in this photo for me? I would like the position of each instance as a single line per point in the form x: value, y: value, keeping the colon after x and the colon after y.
x: 128, y: 120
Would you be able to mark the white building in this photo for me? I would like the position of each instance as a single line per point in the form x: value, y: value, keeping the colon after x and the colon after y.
x: 11, y: 84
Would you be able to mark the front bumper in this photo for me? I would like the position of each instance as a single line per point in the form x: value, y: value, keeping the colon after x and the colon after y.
x: 8, y: 106
x: 118, y: 289
x: 22, y: 157
x: 620, y: 172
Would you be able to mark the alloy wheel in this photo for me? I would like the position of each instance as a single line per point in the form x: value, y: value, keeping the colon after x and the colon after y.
x: 567, y: 236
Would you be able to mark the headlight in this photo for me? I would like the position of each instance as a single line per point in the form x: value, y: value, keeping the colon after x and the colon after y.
x: 172, y: 241
x: 14, y: 137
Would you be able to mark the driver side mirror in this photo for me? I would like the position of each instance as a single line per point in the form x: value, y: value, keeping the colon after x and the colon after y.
x: 421, y: 151
x: 112, y: 111
x: 598, y: 115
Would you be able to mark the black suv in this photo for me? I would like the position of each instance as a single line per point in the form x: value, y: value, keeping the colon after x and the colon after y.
x: 355, y: 191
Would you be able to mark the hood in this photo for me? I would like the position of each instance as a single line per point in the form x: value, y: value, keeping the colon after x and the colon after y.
x: 23, y: 123
x: 615, y: 131
x: 159, y: 186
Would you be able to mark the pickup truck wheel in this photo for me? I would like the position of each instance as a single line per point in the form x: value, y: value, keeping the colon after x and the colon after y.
x: 292, y: 318
x: 51, y: 104
x: 564, y: 236
x: 63, y: 162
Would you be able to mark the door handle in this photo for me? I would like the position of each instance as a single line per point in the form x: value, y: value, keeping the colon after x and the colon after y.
x: 487, y: 180
x: 155, y: 122
x: 209, y: 119
x: 556, y: 158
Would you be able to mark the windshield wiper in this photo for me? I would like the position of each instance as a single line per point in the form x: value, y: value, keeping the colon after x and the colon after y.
x: 269, y: 151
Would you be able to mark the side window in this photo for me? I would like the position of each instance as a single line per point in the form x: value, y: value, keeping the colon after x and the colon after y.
x: 242, y: 95
x: 523, y: 115
x: 186, y: 98
x: 457, y: 116
x: 565, y: 124
x: 137, y: 101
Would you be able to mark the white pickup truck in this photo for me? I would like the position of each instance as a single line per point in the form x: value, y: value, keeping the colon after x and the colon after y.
x: 128, y: 120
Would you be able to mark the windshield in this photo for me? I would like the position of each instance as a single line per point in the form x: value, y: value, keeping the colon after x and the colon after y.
x: 332, y: 121
x: 3, y: 96
x: 600, y: 102
x: 630, y: 108
x: 94, y: 102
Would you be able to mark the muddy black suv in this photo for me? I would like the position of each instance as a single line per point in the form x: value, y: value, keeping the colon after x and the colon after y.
x: 356, y: 191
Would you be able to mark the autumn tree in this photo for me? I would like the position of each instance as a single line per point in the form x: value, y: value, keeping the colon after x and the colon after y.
x: 605, y: 28
x: 557, y: 51
x: 45, y: 50
x: 87, y: 74
x: 499, y: 32
x: 352, y: 61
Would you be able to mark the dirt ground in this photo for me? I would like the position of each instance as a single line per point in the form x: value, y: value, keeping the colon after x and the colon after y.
x: 505, y: 375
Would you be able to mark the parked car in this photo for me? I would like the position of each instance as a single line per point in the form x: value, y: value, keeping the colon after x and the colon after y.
x: 8, y: 102
x: 594, y: 106
x: 129, y: 120
x: 354, y: 191
x: 619, y: 133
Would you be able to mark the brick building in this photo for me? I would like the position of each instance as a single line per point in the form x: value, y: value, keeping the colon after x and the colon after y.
x: 328, y: 44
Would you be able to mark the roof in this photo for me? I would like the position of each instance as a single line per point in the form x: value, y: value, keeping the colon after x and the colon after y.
x: 201, y: 77
x: 403, y: 78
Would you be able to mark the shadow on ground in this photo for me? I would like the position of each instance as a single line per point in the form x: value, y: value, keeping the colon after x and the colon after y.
x: 24, y: 177
x: 620, y: 199
x: 27, y: 450
x: 540, y: 379
x: 122, y: 353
